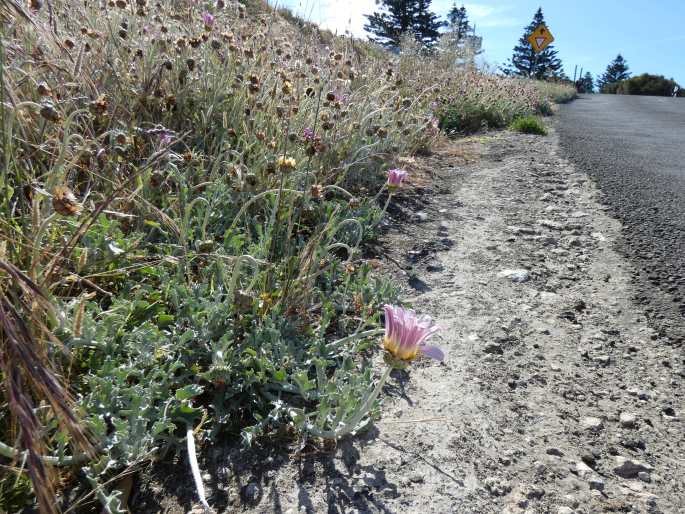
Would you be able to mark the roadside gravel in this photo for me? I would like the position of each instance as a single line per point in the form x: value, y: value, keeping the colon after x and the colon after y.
x: 556, y: 395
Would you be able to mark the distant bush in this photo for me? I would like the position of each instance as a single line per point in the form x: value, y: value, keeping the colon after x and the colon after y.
x: 645, y: 84
x: 529, y: 125
x: 494, y: 102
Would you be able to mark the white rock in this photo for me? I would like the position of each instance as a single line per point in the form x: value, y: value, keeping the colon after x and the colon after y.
x: 627, y: 419
x: 591, y: 423
x: 515, y: 275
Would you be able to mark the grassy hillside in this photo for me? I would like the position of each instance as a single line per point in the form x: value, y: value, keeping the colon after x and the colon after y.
x: 185, y: 190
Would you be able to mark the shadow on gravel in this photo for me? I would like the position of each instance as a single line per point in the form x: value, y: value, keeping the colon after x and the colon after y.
x: 330, y: 471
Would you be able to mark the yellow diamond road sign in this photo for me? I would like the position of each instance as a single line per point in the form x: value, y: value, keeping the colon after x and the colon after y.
x: 541, y: 38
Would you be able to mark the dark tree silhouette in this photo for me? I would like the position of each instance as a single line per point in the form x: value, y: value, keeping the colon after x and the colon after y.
x: 397, y: 17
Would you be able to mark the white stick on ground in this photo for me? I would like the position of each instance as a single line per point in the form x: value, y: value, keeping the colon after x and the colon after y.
x: 192, y: 457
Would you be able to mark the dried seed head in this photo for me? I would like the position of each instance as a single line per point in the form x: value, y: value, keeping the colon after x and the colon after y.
x: 316, y: 190
x: 330, y: 96
x: 48, y: 112
x: 64, y: 202
x: 43, y: 89
x: 69, y: 43
x: 121, y: 4
x: 285, y: 163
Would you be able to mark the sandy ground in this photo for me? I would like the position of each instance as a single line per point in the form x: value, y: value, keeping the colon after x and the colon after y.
x: 556, y: 395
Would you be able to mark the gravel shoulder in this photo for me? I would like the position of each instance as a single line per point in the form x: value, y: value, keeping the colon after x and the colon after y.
x: 556, y: 395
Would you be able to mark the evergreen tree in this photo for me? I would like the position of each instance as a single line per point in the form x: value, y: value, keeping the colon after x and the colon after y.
x: 616, y: 71
x: 526, y: 63
x: 397, y: 17
x: 426, y: 25
x: 458, y: 22
x: 587, y: 84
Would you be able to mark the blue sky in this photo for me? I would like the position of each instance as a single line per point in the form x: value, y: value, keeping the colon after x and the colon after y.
x: 650, y: 35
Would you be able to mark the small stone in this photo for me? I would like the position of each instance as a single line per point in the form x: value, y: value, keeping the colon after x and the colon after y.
x: 497, y: 487
x: 629, y: 468
x: 553, y: 225
x: 565, y: 510
x: 596, y: 483
x: 591, y: 423
x: 421, y: 216
x: 251, y: 492
x: 627, y: 419
x: 602, y: 360
x: 493, y: 348
x: 555, y: 451
x: 644, y: 476
x: 582, y: 470
x: 416, y: 478
x: 515, y: 275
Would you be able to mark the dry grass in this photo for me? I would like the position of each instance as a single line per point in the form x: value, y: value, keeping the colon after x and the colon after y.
x: 183, y: 201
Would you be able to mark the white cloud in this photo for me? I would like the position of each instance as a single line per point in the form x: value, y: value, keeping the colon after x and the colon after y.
x: 491, y: 16
x: 335, y: 15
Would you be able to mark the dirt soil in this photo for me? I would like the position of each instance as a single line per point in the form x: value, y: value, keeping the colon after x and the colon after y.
x: 556, y: 395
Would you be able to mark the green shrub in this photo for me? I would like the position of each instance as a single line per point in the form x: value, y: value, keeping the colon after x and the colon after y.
x: 646, y: 84
x: 529, y: 125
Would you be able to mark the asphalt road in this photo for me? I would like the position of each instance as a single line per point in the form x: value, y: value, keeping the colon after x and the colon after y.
x: 634, y: 147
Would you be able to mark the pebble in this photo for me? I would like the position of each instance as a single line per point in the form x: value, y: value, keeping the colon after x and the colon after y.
x: 627, y: 419
x: 494, y: 348
x: 515, y: 275
x: 629, y: 468
x: 497, y: 487
x: 565, y: 510
x: 417, y: 478
x: 555, y: 451
x: 644, y: 476
x: 551, y: 224
x: 591, y: 423
x: 251, y: 492
x: 596, y: 483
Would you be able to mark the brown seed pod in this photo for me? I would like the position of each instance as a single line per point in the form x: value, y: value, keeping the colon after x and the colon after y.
x: 121, y: 4
x: 64, y: 202
x: 69, y: 44
x: 330, y: 96
x: 48, y: 112
x: 156, y: 179
x: 316, y: 190
x: 43, y: 89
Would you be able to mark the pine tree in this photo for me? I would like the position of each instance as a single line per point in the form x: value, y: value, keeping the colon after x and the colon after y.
x: 396, y: 17
x: 616, y: 71
x: 458, y: 22
x: 426, y: 25
x: 587, y: 84
x: 526, y: 63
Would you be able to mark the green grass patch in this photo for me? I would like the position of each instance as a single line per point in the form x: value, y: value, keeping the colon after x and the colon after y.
x: 529, y: 125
